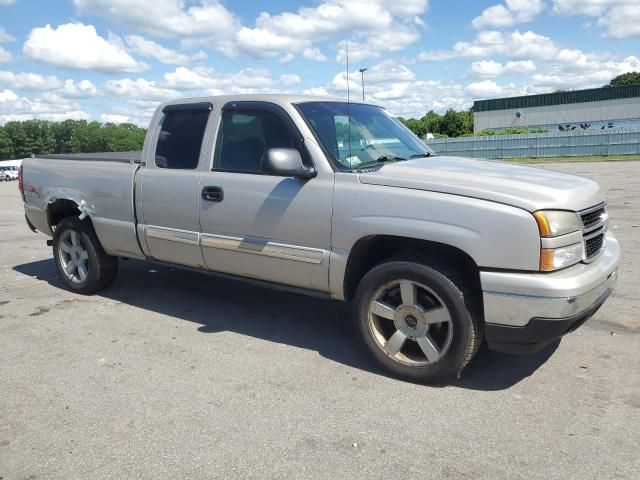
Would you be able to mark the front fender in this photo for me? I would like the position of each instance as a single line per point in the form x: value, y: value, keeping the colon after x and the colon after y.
x: 494, y: 235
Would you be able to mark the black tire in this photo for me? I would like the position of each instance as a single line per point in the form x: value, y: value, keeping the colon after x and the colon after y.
x: 101, y: 267
x: 451, y: 289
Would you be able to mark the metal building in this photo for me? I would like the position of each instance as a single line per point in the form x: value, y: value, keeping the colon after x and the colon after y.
x: 595, y: 108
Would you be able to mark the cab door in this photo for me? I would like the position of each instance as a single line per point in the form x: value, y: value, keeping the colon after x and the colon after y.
x: 257, y: 225
x: 170, y: 184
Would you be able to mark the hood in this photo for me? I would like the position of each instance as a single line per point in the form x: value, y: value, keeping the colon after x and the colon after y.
x: 529, y: 188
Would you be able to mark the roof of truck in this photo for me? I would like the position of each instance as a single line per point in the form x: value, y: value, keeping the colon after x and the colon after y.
x: 277, y: 98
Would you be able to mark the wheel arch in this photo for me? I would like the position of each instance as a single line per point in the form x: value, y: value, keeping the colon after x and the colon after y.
x: 62, y: 208
x: 372, y: 250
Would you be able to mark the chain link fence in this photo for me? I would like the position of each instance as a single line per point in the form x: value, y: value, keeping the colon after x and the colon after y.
x: 540, y: 145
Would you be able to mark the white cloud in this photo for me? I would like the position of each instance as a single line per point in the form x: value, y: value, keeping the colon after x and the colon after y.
x: 151, y: 49
x: 289, y: 79
x: 207, y: 23
x: 139, y: 89
x: 511, y: 13
x: 136, y: 111
x: 622, y: 21
x: 203, y: 80
x: 319, y: 91
x: 6, y: 2
x: 29, y: 81
x: 5, y: 57
x: 199, y: 56
x: 486, y: 88
x: 487, y: 68
x: 260, y: 42
x: 208, y: 18
x: 518, y: 45
x: 78, y: 46
x: 7, y: 95
x: 586, y: 73
x: 491, y: 69
x: 184, y: 78
x: 520, y: 67
x: 620, y: 18
x: 527, y: 52
x: 395, y: 38
x: 4, y: 36
x: 46, y: 107
x: 394, y: 86
x: 287, y: 58
x: 81, y: 89
x: 50, y: 83
x: 197, y: 23
x: 314, y: 54
x: 295, y: 32
x: 388, y: 72
x: 592, y: 8
x: 114, y: 118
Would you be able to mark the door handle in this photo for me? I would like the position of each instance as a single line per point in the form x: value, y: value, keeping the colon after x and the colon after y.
x: 212, y: 194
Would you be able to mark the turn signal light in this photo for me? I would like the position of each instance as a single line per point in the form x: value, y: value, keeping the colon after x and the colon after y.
x: 543, y: 224
x: 546, y: 259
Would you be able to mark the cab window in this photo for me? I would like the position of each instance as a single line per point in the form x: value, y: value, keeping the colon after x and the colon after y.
x: 180, y: 139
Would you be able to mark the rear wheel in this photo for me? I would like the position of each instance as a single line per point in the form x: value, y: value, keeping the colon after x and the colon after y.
x: 416, y: 322
x: 84, y: 265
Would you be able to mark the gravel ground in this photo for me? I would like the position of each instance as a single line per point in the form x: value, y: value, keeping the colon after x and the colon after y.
x: 173, y: 374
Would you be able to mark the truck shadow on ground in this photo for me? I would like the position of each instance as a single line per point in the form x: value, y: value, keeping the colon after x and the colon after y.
x: 219, y: 305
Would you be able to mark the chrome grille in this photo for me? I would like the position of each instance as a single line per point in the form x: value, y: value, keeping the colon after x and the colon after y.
x: 594, y: 227
x: 593, y: 245
x: 593, y: 217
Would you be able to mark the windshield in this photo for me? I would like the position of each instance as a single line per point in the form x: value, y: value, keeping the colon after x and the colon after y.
x: 371, y: 137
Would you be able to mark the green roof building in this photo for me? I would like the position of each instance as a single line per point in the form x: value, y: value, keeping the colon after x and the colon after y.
x: 596, y: 108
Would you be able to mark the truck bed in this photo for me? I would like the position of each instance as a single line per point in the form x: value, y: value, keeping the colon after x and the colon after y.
x: 101, y: 184
x: 121, y: 157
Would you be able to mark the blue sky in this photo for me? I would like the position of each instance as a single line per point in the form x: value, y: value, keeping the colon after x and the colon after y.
x: 114, y: 60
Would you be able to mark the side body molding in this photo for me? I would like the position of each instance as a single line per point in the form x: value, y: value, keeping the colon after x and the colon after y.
x: 257, y: 246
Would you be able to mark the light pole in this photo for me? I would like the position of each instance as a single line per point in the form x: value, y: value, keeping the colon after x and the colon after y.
x: 362, y: 70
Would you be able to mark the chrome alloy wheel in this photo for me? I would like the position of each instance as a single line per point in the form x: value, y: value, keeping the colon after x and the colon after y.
x: 74, y: 256
x: 410, y: 323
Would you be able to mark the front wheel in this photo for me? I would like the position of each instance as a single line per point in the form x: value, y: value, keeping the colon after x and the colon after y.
x: 416, y: 322
x: 84, y: 265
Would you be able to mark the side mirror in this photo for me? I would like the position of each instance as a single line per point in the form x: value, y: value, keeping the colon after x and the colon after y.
x: 286, y: 162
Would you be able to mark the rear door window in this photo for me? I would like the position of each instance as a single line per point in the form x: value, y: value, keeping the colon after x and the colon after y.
x: 180, y: 139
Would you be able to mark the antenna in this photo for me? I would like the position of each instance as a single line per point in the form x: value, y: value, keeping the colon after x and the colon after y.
x: 346, y: 46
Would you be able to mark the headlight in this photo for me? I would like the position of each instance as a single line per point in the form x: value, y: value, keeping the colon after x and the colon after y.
x: 556, y: 258
x: 553, y: 223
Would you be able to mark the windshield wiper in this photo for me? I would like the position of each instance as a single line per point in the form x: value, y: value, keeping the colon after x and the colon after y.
x: 421, y: 155
x: 382, y: 159
x: 387, y: 158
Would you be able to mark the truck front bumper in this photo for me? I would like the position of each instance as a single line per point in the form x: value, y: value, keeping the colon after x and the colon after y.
x: 526, y: 311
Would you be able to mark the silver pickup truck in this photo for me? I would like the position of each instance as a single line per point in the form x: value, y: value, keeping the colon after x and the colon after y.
x: 325, y: 197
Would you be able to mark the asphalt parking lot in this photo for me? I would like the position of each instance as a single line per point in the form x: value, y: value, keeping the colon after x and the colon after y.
x: 174, y: 374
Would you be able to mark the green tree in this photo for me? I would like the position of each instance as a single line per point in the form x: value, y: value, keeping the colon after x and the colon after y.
x: 417, y: 126
x: 21, y: 139
x: 62, y: 135
x: 630, y: 78
x: 6, y: 147
x: 452, y: 124
x: 456, y: 124
x: 433, y: 122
